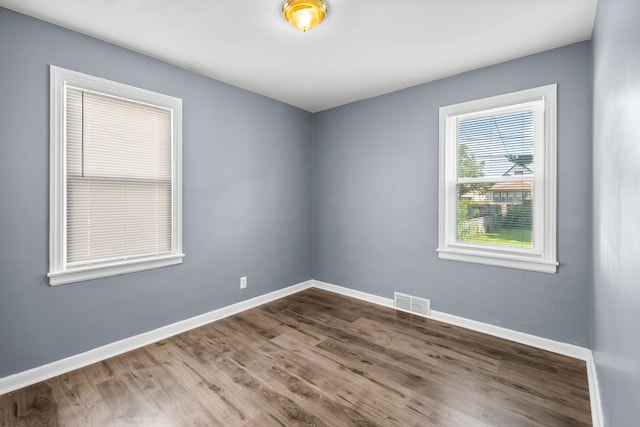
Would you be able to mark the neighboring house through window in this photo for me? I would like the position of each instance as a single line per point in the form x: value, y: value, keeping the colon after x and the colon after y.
x: 498, y: 180
x: 115, y: 201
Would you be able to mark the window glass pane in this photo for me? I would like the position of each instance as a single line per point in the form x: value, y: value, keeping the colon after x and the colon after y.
x: 498, y: 145
x: 483, y: 222
x: 117, y: 218
x: 119, y: 190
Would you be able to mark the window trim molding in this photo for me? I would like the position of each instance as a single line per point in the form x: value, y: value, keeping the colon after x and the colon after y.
x: 545, y: 261
x: 59, y: 272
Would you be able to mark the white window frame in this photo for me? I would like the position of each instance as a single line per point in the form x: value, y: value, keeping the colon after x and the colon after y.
x: 543, y: 257
x: 60, y: 272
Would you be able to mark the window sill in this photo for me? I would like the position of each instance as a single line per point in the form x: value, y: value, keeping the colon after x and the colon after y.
x: 89, y: 272
x: 499, y: 260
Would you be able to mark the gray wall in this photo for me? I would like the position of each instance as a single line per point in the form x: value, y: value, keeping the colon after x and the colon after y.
x: 376, y: 191
x: 248, y: 198
x: 616, y: 231
x: 247, y: 182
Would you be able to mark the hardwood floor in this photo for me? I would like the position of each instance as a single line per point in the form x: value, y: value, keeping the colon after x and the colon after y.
x: 315, y: 359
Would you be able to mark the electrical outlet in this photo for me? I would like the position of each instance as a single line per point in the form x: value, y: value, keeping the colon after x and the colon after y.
x: 243, y: 282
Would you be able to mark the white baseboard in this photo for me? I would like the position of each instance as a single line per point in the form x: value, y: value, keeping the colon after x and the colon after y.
x: 375, y: 299
x: 594, y: 392
x: 50, y: 370
x: 565, y: 349
x: 570, y: 350
x: 68, y: 364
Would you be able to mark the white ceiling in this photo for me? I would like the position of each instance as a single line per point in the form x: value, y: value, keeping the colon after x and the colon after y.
x: 362, y: 49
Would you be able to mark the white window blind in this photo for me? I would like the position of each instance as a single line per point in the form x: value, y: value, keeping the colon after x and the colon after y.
x: 118, y: 178
x: 497, y: 180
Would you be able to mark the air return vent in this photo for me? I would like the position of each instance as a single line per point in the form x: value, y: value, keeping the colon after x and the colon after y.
x: 413, y: 304
x: 402, y: 301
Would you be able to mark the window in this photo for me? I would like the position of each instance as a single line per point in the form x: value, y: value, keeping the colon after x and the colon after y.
x: 115, y: 197
x: 498, y: 180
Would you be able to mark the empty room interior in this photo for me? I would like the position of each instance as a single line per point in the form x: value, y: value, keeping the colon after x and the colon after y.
x: 328, y: 213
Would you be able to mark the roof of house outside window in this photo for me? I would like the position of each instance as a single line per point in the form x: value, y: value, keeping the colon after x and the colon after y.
x: 512, y: 186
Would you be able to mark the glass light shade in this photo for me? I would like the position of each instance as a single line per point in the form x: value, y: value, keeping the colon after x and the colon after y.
x: 303, y: 15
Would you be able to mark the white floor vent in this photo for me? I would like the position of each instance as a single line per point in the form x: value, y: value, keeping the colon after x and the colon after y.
x: 402, y: 301
x: 413, y: 304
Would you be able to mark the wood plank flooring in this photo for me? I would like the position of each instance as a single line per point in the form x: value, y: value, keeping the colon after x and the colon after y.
x: 315, y: 359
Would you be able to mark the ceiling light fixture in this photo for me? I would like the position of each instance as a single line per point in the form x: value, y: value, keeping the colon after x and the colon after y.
x: 303, y: 15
